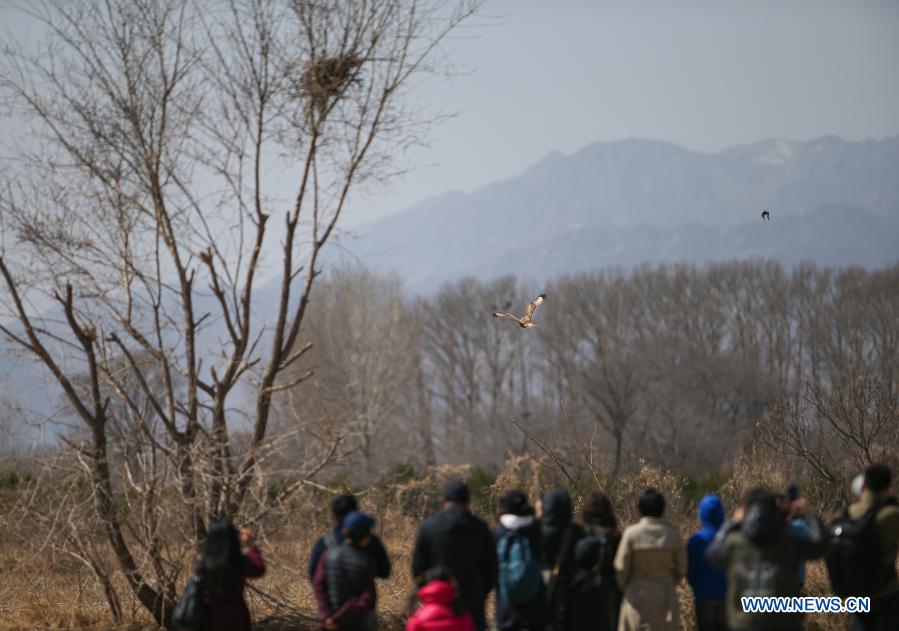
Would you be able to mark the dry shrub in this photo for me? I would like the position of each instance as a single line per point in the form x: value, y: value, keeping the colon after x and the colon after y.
x: 525, y: 474
x: 627, y: 489
x: 420, y: 497
x: 40, y: 590
x: 758, y: 469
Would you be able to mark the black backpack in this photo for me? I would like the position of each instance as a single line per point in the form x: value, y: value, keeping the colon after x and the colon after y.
x: 854, y: 559
x: 190, y: 611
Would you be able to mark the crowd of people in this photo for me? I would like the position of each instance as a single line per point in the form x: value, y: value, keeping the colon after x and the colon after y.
x: 551, y: 572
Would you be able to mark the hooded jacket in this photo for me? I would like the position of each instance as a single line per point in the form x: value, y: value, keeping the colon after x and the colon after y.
x: 437, y: 612
x: 514, y: 616
x: 556, y: 520
x: 707, y: 581
x: 558, y: 552
x: 457, y: 540
x: 586, y: 598
x: 760, y: 557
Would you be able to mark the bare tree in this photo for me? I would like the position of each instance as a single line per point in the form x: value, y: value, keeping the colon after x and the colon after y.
x: 835, y: 432
x: 366, y: 348
x: 142, y: 206
x: 479, y: 374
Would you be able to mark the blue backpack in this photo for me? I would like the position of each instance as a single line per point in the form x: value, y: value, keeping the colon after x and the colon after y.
x: 519, y: 571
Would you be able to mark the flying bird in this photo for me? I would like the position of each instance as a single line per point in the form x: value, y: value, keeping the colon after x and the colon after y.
x: 766, y: 215
x: 524, y: 322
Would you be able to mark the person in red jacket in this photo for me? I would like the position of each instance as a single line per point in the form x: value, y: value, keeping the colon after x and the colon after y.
x: 229, y: 558
x: 440, y: 609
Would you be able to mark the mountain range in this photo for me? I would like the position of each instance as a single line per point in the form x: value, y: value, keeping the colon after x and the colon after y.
x: 832, y: 201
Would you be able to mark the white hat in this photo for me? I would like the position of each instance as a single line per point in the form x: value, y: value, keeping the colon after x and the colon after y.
x: 858, y: 482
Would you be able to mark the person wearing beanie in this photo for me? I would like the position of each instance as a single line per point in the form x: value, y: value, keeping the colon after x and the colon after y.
x: 708, y: 582
x: 341, y: 506
x: 459, y: 541
x: 440, y: 608
x: 521, y: 597
x: 585, y: 602
x: 344, y: 581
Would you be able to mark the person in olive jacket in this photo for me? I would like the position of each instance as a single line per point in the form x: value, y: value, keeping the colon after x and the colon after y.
x: 759, y: 553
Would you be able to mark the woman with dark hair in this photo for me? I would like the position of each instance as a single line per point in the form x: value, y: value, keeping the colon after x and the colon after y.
x: 599, y: 520
x: 229, y: 558
x: 650, y: 562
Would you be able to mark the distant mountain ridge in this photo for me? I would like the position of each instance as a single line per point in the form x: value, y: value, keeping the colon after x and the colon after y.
x: 610, y: 204
x: 624, y: 192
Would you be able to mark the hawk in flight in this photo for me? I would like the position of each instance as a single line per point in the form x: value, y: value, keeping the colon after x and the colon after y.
x: 766, y: 215
x: 524, y: 322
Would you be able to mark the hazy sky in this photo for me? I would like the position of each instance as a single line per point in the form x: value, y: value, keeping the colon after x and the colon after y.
x: 705, y: 74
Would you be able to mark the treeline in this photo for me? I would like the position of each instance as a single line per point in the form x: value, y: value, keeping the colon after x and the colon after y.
x: 670, y: 365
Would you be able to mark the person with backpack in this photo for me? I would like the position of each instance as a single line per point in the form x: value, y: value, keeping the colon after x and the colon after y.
x: 229, y: 558
x: 440, y: 609
x: 341, y: 506
x: 456, y: 539
x: 520, y: 596
x: 560, y: 535
x: 861, y: 559
x: 344, y: 581
x: 651, y: 561
x: 585, y: 598
x: 599, y: 520
x: 759, y: 553
x: 708, y: 582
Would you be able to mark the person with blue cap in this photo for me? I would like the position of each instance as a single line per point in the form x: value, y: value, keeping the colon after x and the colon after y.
x: 344, y: 581
x: 341, y: 506
x: 708, y: 582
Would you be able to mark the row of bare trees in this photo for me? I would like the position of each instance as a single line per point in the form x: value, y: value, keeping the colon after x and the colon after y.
x: 673, y: 365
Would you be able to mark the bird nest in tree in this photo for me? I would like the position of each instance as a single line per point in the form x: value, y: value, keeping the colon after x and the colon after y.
x: 325, y: 78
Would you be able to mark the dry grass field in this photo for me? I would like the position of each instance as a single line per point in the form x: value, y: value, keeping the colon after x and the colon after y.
x: 40, y: 590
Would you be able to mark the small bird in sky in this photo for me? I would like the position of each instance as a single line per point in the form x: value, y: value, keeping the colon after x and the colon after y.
x: 524, y: 322
x: 766, y: 215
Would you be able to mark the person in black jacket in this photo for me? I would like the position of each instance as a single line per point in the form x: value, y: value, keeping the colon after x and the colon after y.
x: 586, y: 600
x: 516, y: 517
x: 598, y: 516
x: 560, y: 536
x: 341, y: 506
x: 456, y: 539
